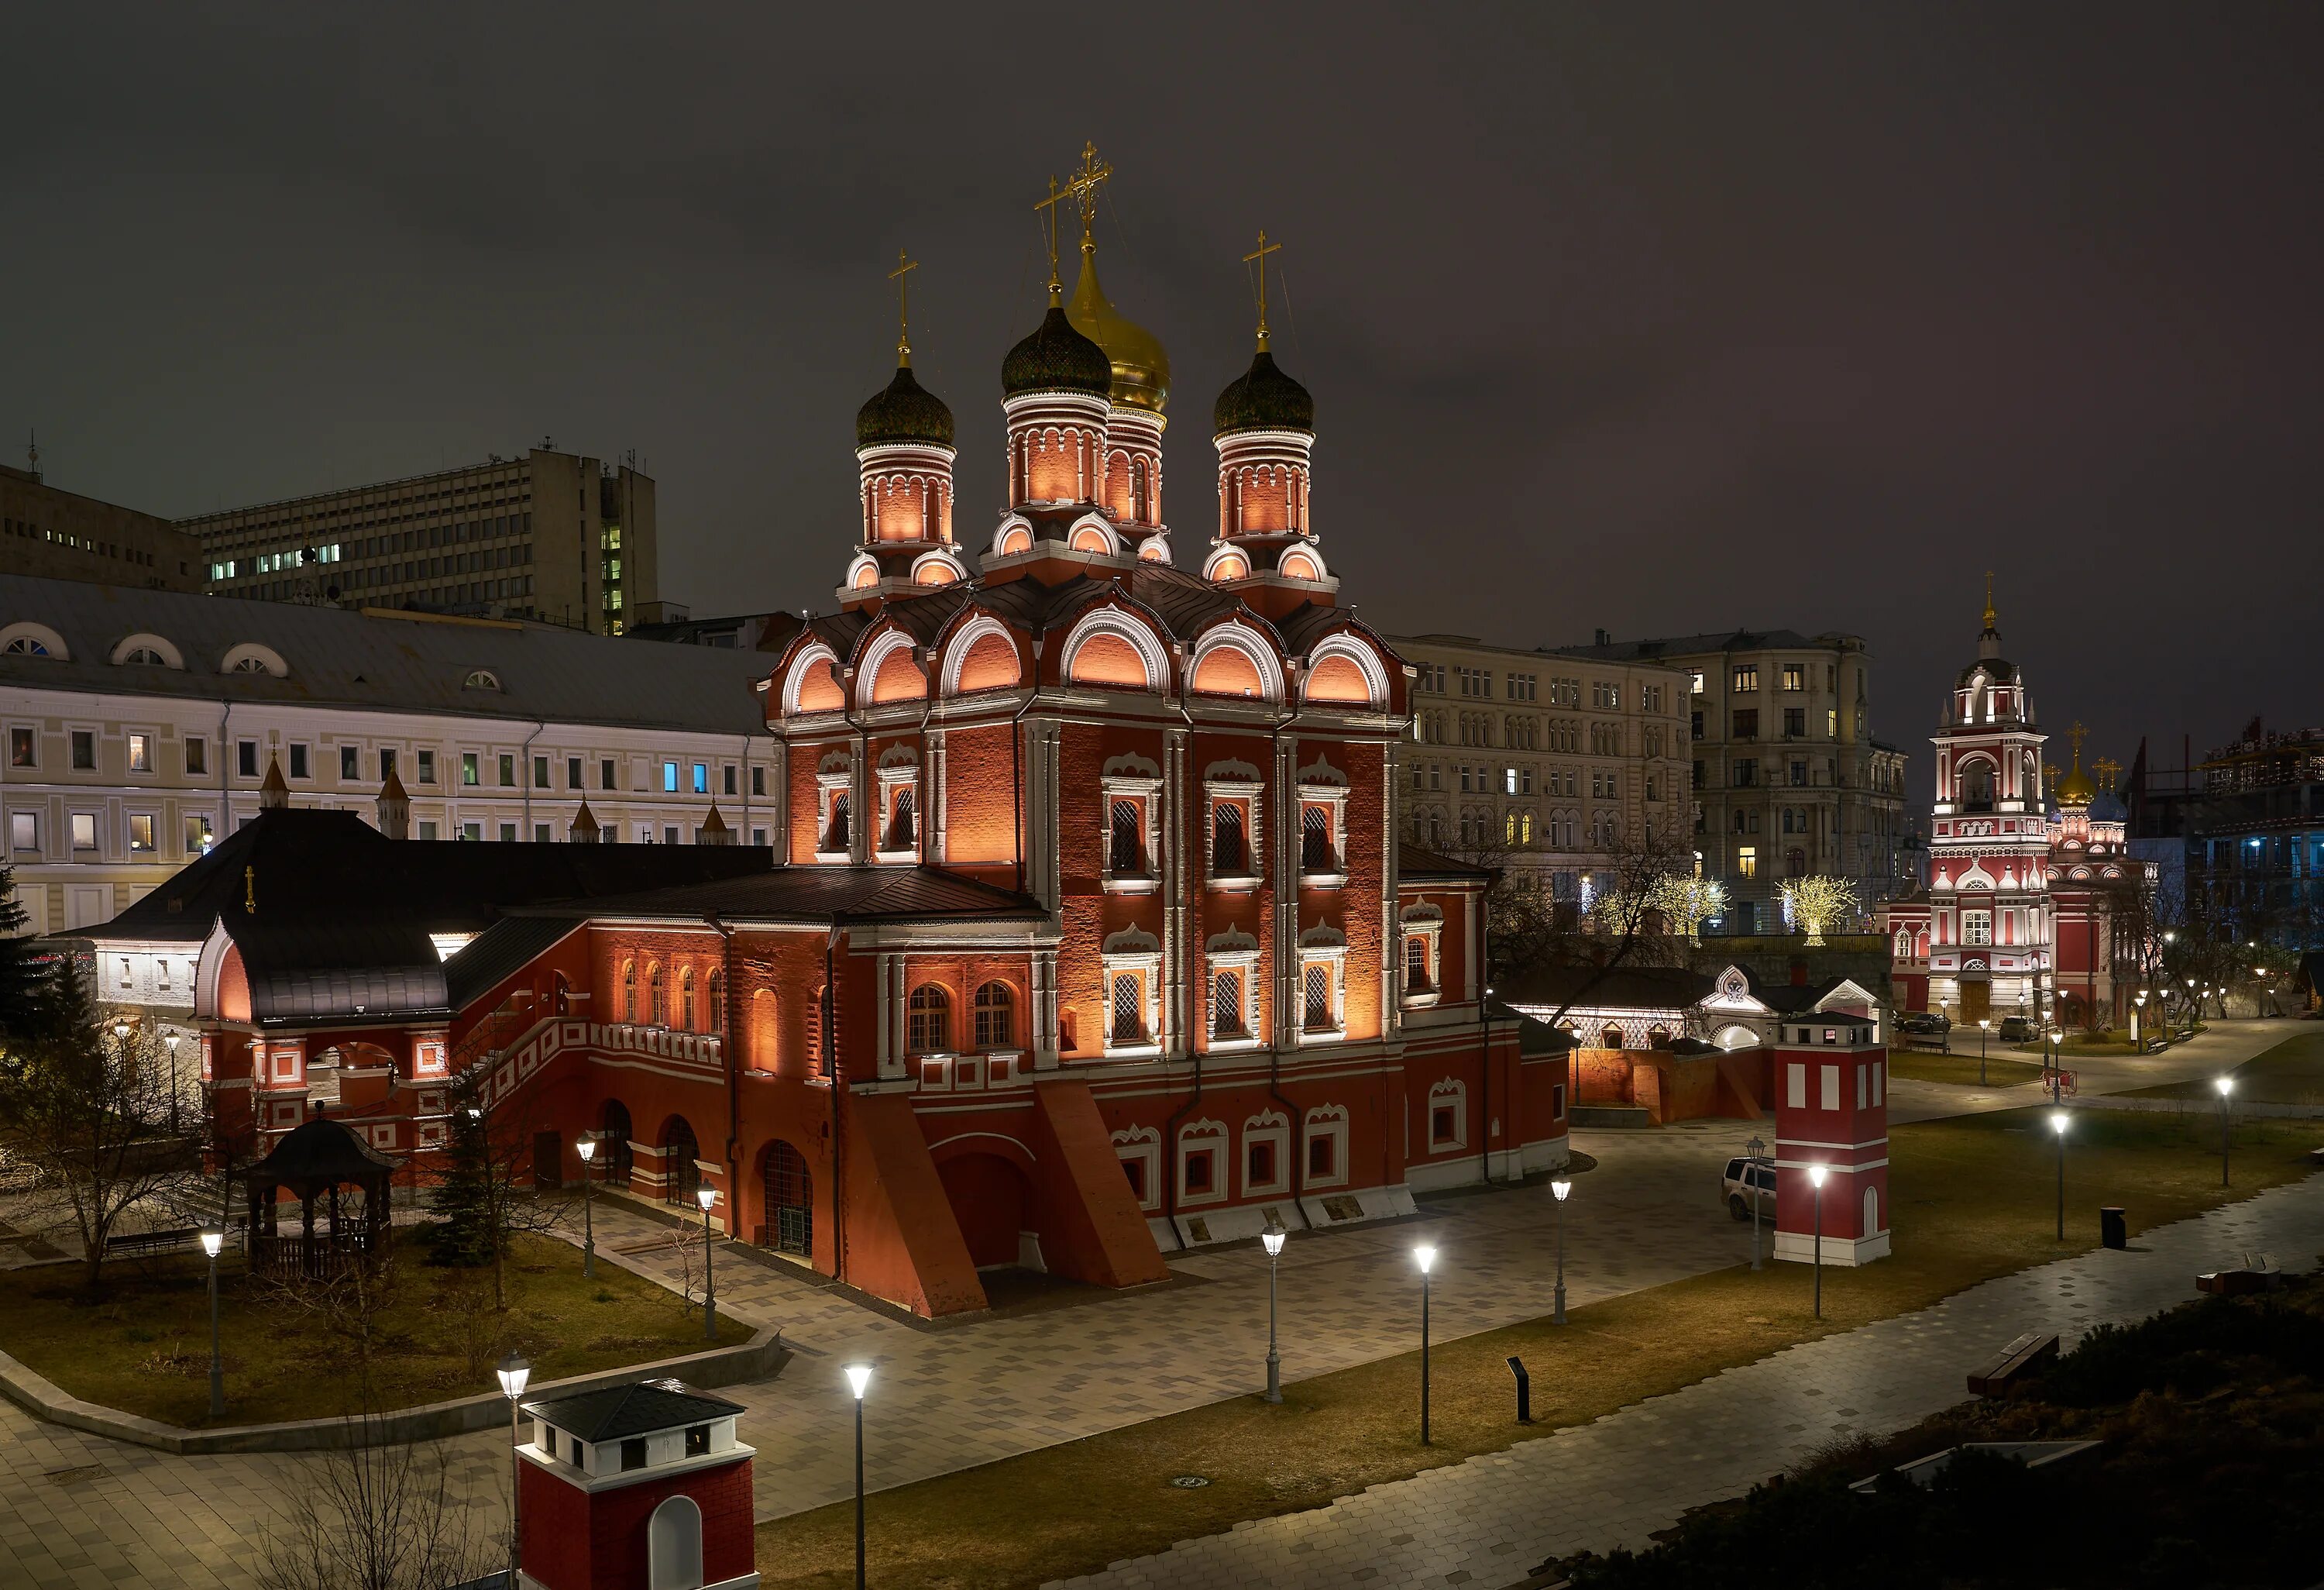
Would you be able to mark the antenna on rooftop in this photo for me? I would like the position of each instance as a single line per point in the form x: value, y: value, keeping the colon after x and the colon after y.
x: 32, y: 452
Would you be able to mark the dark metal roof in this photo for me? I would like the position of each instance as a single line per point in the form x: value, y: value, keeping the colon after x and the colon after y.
x: 834, y: 894
x: 1414, y: 863
x: 1621, y: 988
x: 500, y: 952
x: 384, y: 662
x: 321, y: 1151
x: 1740, y: 640
x: 640, y: 1409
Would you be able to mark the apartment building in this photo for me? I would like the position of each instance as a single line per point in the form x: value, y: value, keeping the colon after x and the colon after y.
x: 141, y: 725
x: 1553, y: 765
x: 58, y: 534
x: 557, y: 537
x: 1786, y: 778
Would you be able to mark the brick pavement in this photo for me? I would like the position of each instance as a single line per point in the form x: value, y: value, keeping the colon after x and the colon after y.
x: 1488, y: 1522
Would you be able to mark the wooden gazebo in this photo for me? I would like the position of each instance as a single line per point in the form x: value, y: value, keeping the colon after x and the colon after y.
x: 313, y: 1162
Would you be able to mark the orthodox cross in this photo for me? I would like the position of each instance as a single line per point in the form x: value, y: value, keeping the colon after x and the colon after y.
x: 1989, y: 598
x: 1265, y: 248
x: 2107, y: 768
x: 901, y: 277
x: 2075, y: 734
x: 1085, y: 185
x: 1056, y: 287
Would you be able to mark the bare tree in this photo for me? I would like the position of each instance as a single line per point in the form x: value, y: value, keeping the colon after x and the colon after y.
x: 90, y: 1107
x: 378, y: 1516
x: 1629, y: 921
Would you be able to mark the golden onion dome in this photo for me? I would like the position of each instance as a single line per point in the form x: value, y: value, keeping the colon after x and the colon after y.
x: 2076, y: 789
x: 1141, y: 370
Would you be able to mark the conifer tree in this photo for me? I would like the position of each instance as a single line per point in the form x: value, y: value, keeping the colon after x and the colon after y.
x: 464, y: 1233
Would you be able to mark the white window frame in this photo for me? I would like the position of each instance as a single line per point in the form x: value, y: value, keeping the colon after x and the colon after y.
x: 827, y: 783
x: 1328, y: 1121
x: 1335, y: 797
x: 1148, y: 791
x: 1133, y: 951
x: 1248, y: 794
x: 1192, y: 1138
x: 1427, y: 922
x: 1245, y: 961
x: 1143, y: 1144
x: 1268, y: 1126
x: 1449, y: 1090
x: 889, y: 778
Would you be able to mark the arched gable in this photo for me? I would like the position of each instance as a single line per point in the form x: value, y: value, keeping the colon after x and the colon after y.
x: 1342, y: 668
x: 35, y: 640
x: 981, y: 655
x: 1110, y: 647
x: 1092, y: 533
x: 1226, y: 563
x: 810, y: 687
x: 936, y: 568
x: 1300, y: 563
x: 1015, y: 535
x: 1235, y: 660
x: 250, y: 657
x: 889, y: 672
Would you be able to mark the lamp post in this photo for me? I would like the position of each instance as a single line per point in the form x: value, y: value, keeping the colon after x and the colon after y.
x: 212, y: 1241
x: 1425, y: 1256
x: 2226, y: 1085
x: 1559, y: 1190
x: 2057, y: 1061
x: 1271, y: 1239
x: 2138, y: 1021
x: 1816, y: 1174
x: 859, y: 1376
x: 514, y: 1370
x: 172, y: 1041
x: 1983, y: 1028
x: 1752, y: 1149
x: 707, y: 1196
x: 2058, y: 1123
x: 587, y: 1149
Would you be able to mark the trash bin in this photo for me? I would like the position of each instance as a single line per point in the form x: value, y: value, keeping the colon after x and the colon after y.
x: 2114, y: 1230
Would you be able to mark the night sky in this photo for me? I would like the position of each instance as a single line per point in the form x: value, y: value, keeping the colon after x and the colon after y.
x: 1658, y: 320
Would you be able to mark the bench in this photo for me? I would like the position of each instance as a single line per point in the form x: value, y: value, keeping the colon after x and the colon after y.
x: 2022, y: 1360
x: 133, y: 1243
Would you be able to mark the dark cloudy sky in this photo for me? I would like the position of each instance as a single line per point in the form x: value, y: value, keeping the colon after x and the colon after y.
x: 1657, y: 320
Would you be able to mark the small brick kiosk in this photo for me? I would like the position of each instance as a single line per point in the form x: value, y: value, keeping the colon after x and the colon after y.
x: 637, y: 1487
x: 1831, y: 1109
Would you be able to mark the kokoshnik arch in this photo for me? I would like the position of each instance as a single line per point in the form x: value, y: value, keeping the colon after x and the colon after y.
x: 1085, y: 937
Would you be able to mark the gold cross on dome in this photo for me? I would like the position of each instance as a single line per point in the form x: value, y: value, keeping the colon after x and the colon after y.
x: 1264, y: 249
x: 1056, y: 287
x: 2107, y: 768
x: 2075, y: 734
x: 1084, y: 184
x: 901, y: 276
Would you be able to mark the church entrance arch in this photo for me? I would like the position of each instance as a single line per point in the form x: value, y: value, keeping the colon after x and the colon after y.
x: 679, y: 1150
x: 991, y: 1201
x: 614, y: 1142
x: 789, y: 1190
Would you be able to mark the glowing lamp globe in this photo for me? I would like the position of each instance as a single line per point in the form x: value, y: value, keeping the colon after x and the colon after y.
x: 1423, y: 1255
x: 859, y: 1376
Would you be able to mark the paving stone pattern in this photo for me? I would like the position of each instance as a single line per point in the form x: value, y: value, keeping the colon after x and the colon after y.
x: 1491, y: 1520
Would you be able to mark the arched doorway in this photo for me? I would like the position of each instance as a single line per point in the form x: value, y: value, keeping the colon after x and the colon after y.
x: 614, y: 1142
x: 988, y: 1199
x: 679, y: 1150
x: 791, y: 1200
x: 1871, y: 1211
x: 560, y: 998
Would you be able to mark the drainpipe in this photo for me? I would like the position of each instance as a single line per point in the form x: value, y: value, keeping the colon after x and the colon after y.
x: 226, y: 789
x: 1017, y: 764
x: 526, y: 754
x: 746, y: 801
x: 831, y: 1075
x: 1289, y: 995
x: 728, y: 1054
x: 1192, y: 956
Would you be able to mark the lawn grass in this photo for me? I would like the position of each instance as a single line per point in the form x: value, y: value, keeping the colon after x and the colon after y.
x: 141, y: 1342
x: 1960, y: 1069
x: 2292, y: 1073
x: 1975, y: 1199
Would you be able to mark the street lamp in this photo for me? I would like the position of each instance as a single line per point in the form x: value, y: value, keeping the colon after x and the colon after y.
x: 1752, y: 1149
x: 587, y: 1149
x: 2226, y: 1085
x: 1559, y: 1190
x: 707, y: 1196
x: 1271, y: 1239
x: 2058, y: 1123
x: 1425, y: 1256
x: 514, y: 1370
x: 1816, y: 1174
x: 2138, y: 1020
x: 2057, y: 1064
x: 859, y: 1376
x: 212, y: 1241
x: 1983, y: 1028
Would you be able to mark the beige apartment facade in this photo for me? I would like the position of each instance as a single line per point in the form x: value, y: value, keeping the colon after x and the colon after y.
x: 1786, y: 778
x: 1554, y: 767
x: 57, y: 535
x: 138, y: 727
x: 560, y: 538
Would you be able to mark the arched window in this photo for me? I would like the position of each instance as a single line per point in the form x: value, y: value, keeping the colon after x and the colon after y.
x: 629, y: 991
x: 1227, y: 852
x: 674, y: 1546
x: 996, y: 1016
x: 679, y: 1152
x: 1129, y: 826
x: 1315, y: 841
x: 616, y: 1135
x: 1611, y: 1037
x: 145, y: 657
x: 717, y: 1001
x: 1129, y: 1009
x: 836, y: 836
x: 929, y: 1023
x: 789, y: 1189
x: 1226, y: 1005
x: 657, y: 997
x: 25, y: 646
x: 1977, y: 786
x: 686, y: 999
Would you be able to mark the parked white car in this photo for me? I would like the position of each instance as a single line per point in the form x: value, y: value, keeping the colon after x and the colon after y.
x: 1742, y: 1182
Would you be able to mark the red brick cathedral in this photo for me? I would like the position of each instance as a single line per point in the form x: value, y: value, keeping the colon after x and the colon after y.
x: 1086, y: 937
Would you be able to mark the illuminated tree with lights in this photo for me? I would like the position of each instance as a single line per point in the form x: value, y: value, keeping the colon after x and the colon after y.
x: 1690, y: 900
x: 1814, y: 901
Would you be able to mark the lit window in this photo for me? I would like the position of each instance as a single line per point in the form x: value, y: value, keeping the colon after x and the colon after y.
x: 996, y: 1016
x: 929, y: 1019
x: 1746, y: 861
x: 1226, y: 1005
x: 1318, y: 989
x: 141, y: 753
x: 140, y: 831
x: 1129, y: 1009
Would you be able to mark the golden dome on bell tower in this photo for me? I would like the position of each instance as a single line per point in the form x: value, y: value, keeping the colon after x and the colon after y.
x: 1142, y: 369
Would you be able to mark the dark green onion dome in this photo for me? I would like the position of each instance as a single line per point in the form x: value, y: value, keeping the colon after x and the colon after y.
x: 1263, y: 399
x: 905, y: 410
x: 1056, y: 359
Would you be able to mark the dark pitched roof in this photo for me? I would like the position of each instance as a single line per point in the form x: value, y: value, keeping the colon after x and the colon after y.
x: 379, y: 662
x: 832, y: 894
x: 1622, y: 988
x: 639, y: 1408
x: 1413, y: 863
x: 500, y: 952
x: 1791, y: 997
x: 1649, y: 651
x: 321, y: 1149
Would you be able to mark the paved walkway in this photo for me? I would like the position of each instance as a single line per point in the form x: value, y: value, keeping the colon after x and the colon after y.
x: 1489, y: 1521
x: 2219, y: 1047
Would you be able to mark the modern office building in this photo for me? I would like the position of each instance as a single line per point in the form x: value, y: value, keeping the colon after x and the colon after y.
x: 57, y: 535
x: 1553, y: 765
x: 556, y: 537
x: 2254, y: 836
x: 1788, y: 779
x: 140, y: 726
